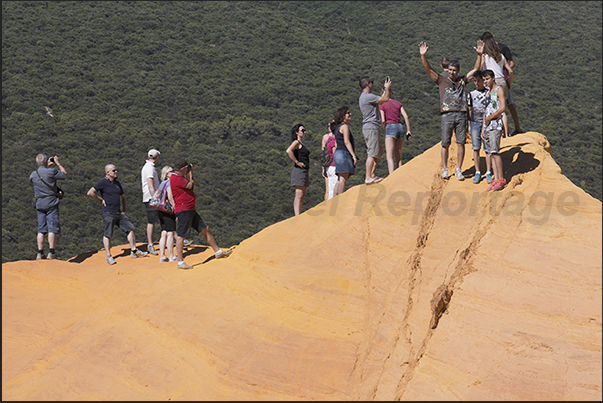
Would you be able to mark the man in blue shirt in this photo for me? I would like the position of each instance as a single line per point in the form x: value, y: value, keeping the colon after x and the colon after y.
x: 111, y: 196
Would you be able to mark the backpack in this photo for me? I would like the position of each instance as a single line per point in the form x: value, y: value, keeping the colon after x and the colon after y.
x: 325, y: 158
x: 160, y: 200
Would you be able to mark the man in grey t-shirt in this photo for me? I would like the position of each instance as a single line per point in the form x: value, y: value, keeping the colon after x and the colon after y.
x: 371, y: 124
x: 44, y: 180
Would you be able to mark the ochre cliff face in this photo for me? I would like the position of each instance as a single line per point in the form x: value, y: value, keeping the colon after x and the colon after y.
x: 414, y: 289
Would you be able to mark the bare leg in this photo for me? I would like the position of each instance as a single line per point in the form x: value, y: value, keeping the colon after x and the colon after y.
x: 505, y: 125
x: 398, y: 154
x: 476, y: 160
x: 390, y: 151
x: 514, y: 116
x: 132, y: 240
x: 370, y: 168
x: 170, y: 243
x: 445, y: 156
x: 375, y: 167
x: 488, y: 162
x: 162, y: 241
x: 52, y: 239
x: 326, y: 187
x: 150, y: 228
x: 107, y: 243
x: 298, y: 201
x: 40, y: 240
x: 209, y: 238
x: 460, y: 155
x: 498, y: 166
x: 341, y: 181
x: 179, y: 247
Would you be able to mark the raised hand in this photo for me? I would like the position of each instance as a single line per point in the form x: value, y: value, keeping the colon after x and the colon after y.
x: 480, y: 47
x: 423, y: 48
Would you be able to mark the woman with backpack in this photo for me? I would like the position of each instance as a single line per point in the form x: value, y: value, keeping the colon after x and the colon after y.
x: 328, y: 172
x: 167, y: 220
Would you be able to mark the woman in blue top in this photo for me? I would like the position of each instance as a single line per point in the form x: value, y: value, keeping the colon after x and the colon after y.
x: 344, y: 157
x: 300, y: 155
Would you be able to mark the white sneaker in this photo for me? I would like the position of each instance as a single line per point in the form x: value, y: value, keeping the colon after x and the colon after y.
x: 444, y: 173
x: 110, y: 260
x: 223, y: 253
x: 459, y: 175
x: 188, y: 242
x: 137, y: 253
x: 183, y: 265
x: 174, y: 259
x: 151, y: 250
x: 39, y: 256
x: 163, y: 259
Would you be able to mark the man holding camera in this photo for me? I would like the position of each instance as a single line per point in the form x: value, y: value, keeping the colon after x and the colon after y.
x: 371, y: 124
x: 44, y: 180
x: 183, y: 185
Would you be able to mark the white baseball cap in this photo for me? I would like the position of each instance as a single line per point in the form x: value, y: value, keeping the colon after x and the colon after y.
x: 153, y: 153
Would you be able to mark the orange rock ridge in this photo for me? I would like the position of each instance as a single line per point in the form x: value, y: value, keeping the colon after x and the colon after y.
x: 411, y: 289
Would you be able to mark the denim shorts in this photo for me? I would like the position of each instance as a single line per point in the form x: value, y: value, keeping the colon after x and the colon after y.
x: 343, y: 162
x: 454, y: 122
x: 395, y: 130
x: 476, y: 138
x: 48, y: 220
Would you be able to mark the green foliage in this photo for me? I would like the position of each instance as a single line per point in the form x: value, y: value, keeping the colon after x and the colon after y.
x: 222, y: 83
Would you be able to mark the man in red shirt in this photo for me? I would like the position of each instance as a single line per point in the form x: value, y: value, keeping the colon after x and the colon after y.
x: 182, y: 185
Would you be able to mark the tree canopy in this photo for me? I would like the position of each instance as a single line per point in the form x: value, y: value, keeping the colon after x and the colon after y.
x: 222, y: 84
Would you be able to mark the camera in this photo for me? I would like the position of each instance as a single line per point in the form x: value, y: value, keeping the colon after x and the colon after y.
x: 408, y: 136
x: 51, y: 159
x: 387, y: 79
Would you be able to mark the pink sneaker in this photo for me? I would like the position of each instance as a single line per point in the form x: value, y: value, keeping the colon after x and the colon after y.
x: 499, y: 184
x: 494, y: 182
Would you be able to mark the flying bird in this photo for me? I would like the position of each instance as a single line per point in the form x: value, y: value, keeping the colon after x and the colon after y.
x: 49, y: 112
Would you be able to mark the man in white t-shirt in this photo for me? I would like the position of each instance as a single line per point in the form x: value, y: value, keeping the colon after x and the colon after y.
x: 150, y: 182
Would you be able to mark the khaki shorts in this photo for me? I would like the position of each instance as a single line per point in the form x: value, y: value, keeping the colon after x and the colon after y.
x: 503, y: 84
x: 373, y: 143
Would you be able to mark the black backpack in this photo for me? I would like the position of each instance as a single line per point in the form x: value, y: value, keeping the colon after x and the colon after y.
x: 325, y: 158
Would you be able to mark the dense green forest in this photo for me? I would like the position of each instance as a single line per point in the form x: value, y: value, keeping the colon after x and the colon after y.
x: 222, y: 84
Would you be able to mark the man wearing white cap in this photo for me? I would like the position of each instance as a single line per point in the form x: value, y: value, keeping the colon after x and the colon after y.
x: 150, y: 182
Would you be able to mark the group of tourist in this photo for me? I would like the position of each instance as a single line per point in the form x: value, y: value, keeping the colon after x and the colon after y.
x: 480, y: 112
x: 178, y: 182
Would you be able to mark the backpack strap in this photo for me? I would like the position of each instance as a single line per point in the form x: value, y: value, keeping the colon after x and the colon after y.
x: 43, y: 181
